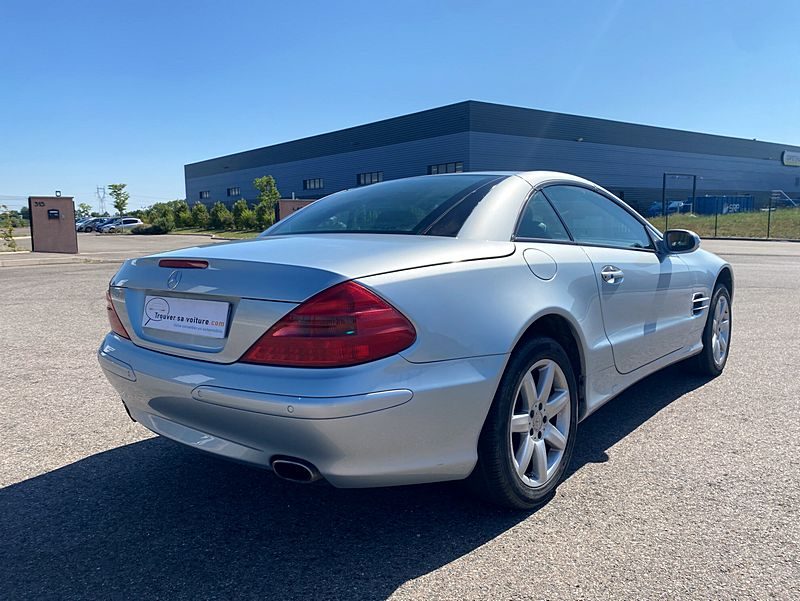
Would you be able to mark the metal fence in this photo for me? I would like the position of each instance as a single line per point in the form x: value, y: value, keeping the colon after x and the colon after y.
x: 725, y: 214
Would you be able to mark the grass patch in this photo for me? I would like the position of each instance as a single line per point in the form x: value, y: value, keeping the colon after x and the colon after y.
x: 239, y: 235
x: 785, y: 223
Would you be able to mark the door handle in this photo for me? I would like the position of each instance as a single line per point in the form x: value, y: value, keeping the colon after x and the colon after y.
x: 612, y: 275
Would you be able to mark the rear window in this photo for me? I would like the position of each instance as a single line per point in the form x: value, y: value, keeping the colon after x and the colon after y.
x: 436, y: 206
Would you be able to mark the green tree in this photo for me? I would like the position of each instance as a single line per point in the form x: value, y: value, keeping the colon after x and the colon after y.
x: 7, y: 228
x: 248, y: 220
x: 162, y: 216
x: 200, y: 218
x: 84, y: 210
x: 240, y: 207
x: 220, y: 217
x: 265, y: 215
x: 268, y: 197
x: 183, y: 216
x: 120, y: 196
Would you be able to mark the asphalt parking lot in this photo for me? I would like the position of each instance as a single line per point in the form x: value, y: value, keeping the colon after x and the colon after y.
x: 679, y: 488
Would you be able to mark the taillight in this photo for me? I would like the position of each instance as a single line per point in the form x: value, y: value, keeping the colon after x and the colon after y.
x: 343, y: 325
x: 113, y: 318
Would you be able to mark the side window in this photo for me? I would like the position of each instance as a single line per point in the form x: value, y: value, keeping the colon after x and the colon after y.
x: 540, y: 221
x: 594, y: 219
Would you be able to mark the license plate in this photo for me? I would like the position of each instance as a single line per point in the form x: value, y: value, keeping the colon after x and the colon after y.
x: 186, y: 316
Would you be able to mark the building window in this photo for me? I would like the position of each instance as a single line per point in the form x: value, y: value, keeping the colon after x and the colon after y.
x: 313, y: 184
x: 233, y: 191
x: 204, y: 194
x: 364, y: 179
x: 446, y: 168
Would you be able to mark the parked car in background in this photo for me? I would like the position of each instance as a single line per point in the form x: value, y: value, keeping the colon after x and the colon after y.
x: 120, y: 225
x: 673, y: 206
x: 93, y: 224
x: 417, y: 330
x: 654, y: 210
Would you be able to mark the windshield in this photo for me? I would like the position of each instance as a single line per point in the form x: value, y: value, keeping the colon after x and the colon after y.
x: 434, y: 205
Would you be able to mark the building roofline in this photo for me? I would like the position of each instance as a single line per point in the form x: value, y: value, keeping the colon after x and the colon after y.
x: 429, y: 123
x: 486, y: 117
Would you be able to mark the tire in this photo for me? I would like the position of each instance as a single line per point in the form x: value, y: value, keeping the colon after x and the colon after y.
x: 716, y: 335
x: 502, y: 475
x: 87, y: 229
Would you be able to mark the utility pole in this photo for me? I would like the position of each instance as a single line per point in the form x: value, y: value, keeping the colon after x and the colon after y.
x: 101, y: 198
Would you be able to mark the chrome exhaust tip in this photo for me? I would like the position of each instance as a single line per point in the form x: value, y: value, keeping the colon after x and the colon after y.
x: 295, y: 470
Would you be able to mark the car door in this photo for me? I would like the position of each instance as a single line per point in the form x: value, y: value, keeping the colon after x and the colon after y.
x: 645, y: 295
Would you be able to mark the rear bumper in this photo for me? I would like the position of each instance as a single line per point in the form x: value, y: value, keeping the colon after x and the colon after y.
x: 385, y: 423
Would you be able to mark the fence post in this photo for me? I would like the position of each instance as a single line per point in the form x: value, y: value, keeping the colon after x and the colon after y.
x: 716, y: 215
x: 769, y: 215
x: 664, y: 201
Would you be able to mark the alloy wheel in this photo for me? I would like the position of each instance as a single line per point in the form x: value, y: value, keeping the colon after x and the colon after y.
x: 720, y: 330
x: 540, y: 423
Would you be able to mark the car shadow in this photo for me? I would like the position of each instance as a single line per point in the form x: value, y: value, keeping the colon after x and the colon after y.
x: 156, y: 520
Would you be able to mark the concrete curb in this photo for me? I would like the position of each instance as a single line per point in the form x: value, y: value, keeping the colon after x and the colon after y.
x: 173, y: 233
x: 35, y: 261
x: 734, y: 238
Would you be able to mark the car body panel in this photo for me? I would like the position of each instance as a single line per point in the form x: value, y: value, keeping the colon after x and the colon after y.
x: 349, y: 255
x: 646, y: 315
x: 431, y: 437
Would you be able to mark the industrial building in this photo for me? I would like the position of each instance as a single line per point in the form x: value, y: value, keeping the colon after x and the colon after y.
x: 634, y: 161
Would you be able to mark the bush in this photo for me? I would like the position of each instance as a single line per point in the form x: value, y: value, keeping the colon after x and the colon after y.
x: 220, y: 217
x: 7, y: 228
x: 148, y: 228
x: 183, y: 216
x: 265, y: 214
x: 240, y: 208
x: 248, y: 220
x: 200, y: 217
x: 166, y: 223
x: 162, y: 215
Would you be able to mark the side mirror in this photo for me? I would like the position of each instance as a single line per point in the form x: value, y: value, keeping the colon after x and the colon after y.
x: 681, y: 241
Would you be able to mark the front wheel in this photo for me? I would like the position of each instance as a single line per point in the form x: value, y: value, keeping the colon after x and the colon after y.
x: 716, y: 334
x: 528, y: 437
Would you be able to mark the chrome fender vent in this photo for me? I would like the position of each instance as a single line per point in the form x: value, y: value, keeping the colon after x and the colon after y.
x: 699, y: 303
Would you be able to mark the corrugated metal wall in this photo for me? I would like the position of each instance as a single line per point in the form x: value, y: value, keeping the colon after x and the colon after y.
x: 432, y: 123
x: 511, y: 120
x: 636, y: 171
x: 339, y: 171
x: 623, y: 157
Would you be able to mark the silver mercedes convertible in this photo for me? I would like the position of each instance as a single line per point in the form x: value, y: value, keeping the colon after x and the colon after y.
x: 434, y: 328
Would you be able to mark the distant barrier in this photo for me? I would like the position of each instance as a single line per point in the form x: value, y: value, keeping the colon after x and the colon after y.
x: 730, y: 216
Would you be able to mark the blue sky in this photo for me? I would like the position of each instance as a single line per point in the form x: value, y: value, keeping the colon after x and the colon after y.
x: 94, y: 93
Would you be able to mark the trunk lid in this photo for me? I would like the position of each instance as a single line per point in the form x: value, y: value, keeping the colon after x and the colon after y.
x: 250, y: 285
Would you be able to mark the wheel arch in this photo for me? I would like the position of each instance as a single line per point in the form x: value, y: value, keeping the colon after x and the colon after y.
x: 564, y: 331
x: 725, y: 276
